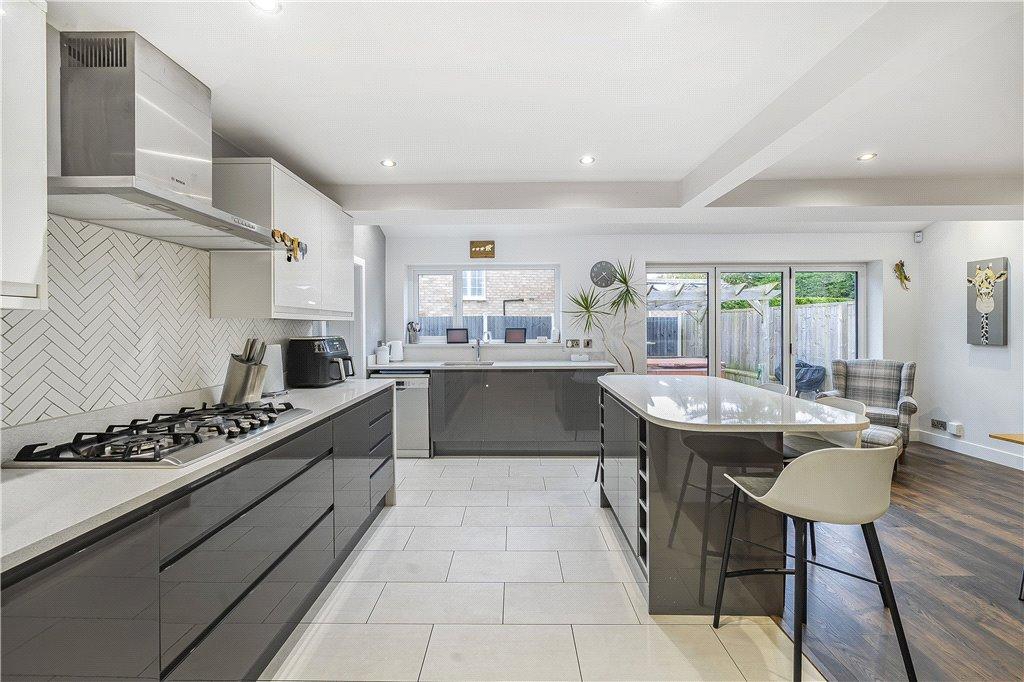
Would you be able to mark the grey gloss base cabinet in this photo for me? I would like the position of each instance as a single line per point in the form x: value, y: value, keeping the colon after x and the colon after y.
x: 514, y: 411
x: 668, y: 493
x: 208, y: 585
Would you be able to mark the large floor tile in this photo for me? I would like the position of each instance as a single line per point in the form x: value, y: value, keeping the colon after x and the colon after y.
x: 569, y: 483
x: 652, y: 652
x: 506, y: 516
x: 541, y: 470
x: 447, y: 461
x: 581, y: 516
x: 420, y: 516
x: 639, y: 599
x: 406, y: 468
x: 349, y: 602
x: 439, y: 483
x: 762, y: 651
x: 518, y: 461
x: 501, y: 652
x: 573, y: 461
x: 351, y: 652
x: 561, y: 603
x: 547, y: 498
x: 411, y: 498
x: 539, y: 538
x: 600, y: 567
x: 505, y: 567
x: 508, y: 483
x: 439, y: 603
x: 385, y: 537
x: 394, y: 566
x: 463, y: 471
x: 468, y: 498
x: 586, y: 470
x: 459, y: 537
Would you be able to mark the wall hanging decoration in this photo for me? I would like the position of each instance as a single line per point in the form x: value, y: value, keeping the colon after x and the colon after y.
x: 481, y: 248
x: 900, y: 270
x: 608, y: 312
x: 987, y: 302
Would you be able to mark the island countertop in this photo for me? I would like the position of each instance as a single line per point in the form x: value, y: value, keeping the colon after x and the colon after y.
x: 497, y: 364
x: 711, y: 404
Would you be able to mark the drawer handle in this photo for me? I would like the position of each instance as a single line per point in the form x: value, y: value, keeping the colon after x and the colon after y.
x: 164, y: 565
x: 380, y: 442
x: 380, y: 417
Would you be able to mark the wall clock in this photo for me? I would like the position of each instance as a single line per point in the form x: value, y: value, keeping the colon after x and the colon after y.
x: 602, y: 274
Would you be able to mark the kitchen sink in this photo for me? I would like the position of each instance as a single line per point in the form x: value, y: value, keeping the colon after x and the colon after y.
x: 468, y: 363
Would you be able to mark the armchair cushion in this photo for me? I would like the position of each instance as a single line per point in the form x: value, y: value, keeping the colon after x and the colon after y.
x: 883, y: 416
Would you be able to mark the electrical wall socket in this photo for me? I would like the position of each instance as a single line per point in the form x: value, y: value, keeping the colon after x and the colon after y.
x: 588, y: 343
x: 938, y: 424
x: 572, y: 343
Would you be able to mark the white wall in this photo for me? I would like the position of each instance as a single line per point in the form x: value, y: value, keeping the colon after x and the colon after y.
x: 983, y: 387
x: 892, y: 333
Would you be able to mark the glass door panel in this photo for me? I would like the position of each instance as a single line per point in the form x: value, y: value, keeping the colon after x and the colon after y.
x: 677, y: 323
x: 750, y: 326
x: 824, y: 325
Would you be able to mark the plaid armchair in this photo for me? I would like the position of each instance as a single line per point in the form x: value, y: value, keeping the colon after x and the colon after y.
x: 886, y: 387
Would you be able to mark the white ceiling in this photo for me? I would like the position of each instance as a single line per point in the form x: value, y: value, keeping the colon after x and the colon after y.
x: 484, y: 92
x: 682, y: 103
x: 962, y: 116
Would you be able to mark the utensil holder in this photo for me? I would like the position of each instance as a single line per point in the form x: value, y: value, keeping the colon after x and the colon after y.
x: 243, y: 383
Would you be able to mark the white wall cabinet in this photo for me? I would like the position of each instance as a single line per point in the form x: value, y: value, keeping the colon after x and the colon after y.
x: 23, y: 112
x: 265, y: 284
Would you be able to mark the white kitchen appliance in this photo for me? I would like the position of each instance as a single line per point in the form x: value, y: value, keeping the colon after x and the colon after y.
x: 382, y: 355
x: 412, y: 408
x: 397, y: 352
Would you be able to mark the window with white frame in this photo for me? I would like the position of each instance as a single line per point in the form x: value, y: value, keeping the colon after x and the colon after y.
x: 486, y: 300
x: 474, y: 286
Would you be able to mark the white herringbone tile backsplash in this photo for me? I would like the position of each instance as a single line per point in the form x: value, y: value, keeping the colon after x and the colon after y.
x: 129, y: 320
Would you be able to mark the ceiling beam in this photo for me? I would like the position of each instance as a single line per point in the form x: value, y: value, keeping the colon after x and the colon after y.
x: 892, y: 46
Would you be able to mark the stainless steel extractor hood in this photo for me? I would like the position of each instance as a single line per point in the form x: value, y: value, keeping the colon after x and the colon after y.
x: 136, y: 146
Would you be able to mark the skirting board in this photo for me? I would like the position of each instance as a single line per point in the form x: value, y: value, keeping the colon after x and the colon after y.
x: 989, y: 454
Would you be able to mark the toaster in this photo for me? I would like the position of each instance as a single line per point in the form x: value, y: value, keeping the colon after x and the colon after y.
x: 316, y: 361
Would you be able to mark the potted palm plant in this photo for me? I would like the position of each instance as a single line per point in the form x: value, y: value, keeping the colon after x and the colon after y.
x: 608, y: 312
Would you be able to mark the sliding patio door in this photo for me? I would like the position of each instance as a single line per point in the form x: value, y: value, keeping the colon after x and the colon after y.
x: 752, y: 325
x: 680, y: 331
x: 755, y: 324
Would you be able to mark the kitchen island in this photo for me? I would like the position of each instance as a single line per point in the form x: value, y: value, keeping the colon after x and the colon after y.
x: 666, y: 442
x: 510, y: 407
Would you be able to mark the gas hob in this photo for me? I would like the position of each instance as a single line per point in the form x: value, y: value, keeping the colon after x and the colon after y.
x: 166, y: 440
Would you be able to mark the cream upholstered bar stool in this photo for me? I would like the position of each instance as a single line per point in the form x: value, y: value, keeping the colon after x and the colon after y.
x: 816, y: 441
x: 844, y: 486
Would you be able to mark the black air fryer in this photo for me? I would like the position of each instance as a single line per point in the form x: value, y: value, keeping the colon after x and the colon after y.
x: 317, y: 361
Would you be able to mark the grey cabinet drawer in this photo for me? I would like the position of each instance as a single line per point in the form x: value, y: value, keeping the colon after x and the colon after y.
x: 379, y: 430
x: 380, y: 405
x: 382, y: 453
x: 199, y: 586
x: 382, y: 481
x: 92, y: 614
x: 189, y: 518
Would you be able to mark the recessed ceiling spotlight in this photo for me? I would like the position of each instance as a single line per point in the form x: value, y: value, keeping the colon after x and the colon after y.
x: 268, y: 6
x: 588, y: 160
x: 388, y: 163
x: 867, y: 157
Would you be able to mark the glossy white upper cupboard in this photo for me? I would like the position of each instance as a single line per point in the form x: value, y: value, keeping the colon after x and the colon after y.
x: 23, y: 113
x: 250, y: 284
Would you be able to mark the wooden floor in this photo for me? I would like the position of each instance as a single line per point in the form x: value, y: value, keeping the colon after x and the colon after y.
x: 954, y: 544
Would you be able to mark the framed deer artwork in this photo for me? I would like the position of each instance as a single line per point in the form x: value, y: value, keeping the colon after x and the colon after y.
x: 986, y: 302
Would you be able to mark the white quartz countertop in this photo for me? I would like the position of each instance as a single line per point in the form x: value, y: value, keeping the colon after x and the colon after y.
x: 713, y: 404
x: 498, y: 364
x: 44, y: 508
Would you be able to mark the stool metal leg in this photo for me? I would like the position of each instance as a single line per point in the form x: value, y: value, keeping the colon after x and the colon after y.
x: 814, y: 539
x: 889, y: 598
x: 679, y: 502
x: 799, y: 596
x: 875, y: 568
x: 726, y: 551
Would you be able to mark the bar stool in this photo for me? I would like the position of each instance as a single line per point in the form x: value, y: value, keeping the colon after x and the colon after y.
x: 822, y: 439
x: 844, y: 486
